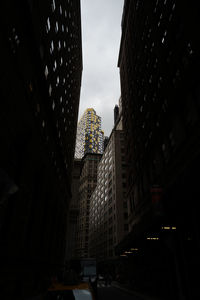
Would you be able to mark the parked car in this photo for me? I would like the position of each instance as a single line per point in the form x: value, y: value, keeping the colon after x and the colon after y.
x: 59, y: 291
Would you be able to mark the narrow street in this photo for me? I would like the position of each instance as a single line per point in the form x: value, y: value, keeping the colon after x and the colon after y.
x: 100, y: 150
x: 112, y: 292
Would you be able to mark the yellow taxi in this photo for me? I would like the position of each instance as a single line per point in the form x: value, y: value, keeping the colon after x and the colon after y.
x: 60, y: 291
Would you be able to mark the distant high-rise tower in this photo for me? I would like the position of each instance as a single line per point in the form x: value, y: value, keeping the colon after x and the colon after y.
x: 89, y: 137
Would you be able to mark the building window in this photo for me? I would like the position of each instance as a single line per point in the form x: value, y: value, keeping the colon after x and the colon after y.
x: 53, y: 5
x: 124, y: 185
x: 48, y: 24
x: 56, y: 27
x: 126, y: 227
x: 125, y: 216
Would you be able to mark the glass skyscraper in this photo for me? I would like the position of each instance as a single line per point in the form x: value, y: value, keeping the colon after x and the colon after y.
x: 89, y: 137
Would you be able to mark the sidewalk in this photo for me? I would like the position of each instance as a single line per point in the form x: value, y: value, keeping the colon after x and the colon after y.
x: 126, y: 288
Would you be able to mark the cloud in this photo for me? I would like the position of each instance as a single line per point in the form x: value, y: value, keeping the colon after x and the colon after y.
x: 101, y: 32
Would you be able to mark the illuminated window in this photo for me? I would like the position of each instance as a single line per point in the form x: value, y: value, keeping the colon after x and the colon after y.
x: 53, y: 5
x: 59, y: 45
x: 48, y: 24
x: 55, y: 66
x: 46, y: 72
x: 50, y: 90
x: 57, y: 81
x: 56, y: 27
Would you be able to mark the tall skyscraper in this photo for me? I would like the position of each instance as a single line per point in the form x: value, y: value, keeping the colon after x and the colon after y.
x: 108, y: 203
x: 159, y: 71
x: 89, y: 137
x: 41, y: 65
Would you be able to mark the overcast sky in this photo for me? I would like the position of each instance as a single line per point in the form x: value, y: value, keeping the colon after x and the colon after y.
x: 101, y: 34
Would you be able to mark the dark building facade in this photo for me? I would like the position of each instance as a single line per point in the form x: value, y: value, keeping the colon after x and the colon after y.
x: 73, y: 212
x: 159, y: 65
x: 116, y: 113
x: 88, y: 182
x: 105, y: 142
x: 41, y: 67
